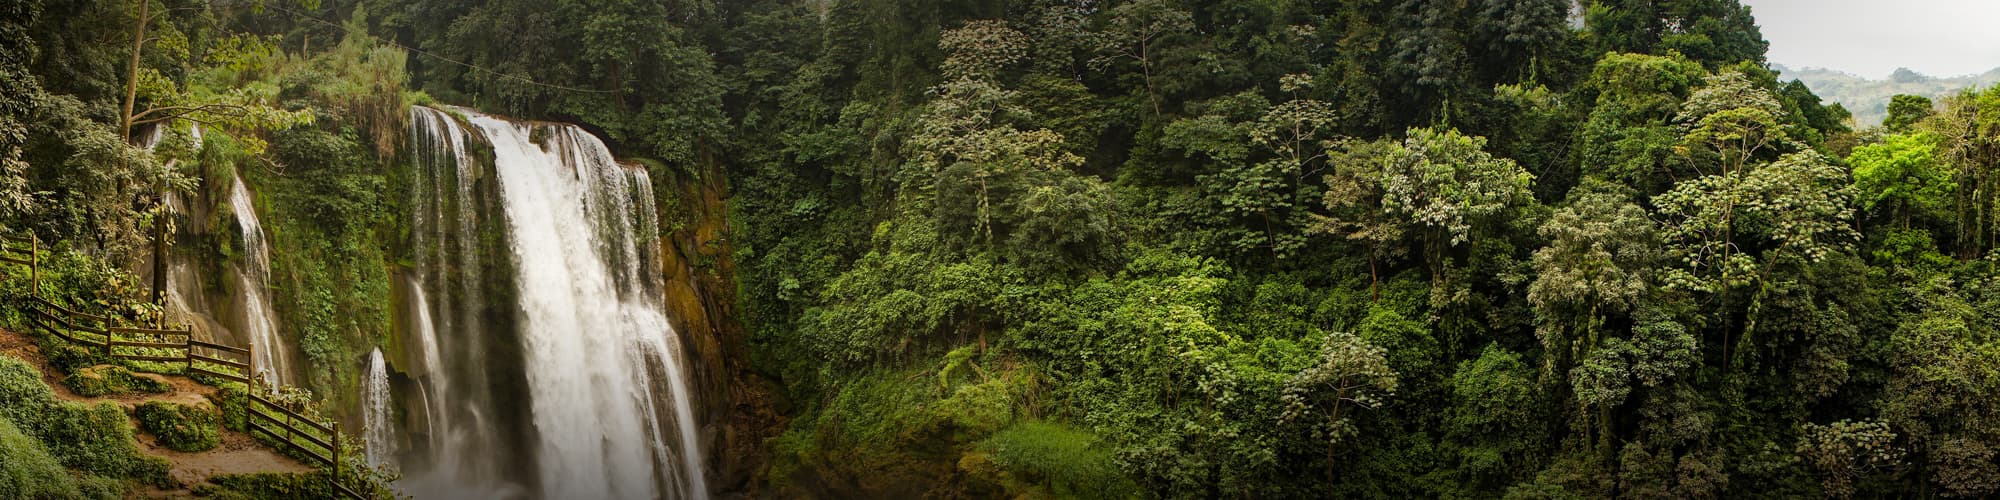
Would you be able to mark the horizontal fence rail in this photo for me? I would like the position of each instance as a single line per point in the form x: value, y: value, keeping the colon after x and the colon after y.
x: 310, y: 437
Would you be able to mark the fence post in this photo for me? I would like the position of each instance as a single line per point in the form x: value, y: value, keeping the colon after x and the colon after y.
x: 34, y: 265
x: 336, y: 453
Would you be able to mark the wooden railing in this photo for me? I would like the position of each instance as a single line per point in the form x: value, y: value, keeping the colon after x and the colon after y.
x: 308, y: 436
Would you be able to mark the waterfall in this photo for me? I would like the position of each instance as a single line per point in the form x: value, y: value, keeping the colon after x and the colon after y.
x: 253, y: 283
x: 540, y: 255
x: 462, y: 452
x: 593, y: 319
x: 375, y: 402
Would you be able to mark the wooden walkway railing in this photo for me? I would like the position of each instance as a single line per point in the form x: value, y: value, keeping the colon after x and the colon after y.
x: 309, y: 437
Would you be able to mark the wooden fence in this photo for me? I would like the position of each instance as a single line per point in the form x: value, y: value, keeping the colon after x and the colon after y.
x: 311, y: 438
x: 105, y: 335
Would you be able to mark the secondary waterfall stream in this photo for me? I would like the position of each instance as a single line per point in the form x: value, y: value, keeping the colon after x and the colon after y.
x: 600, y: 402
x: 377, y: 431
x: 253, y: 278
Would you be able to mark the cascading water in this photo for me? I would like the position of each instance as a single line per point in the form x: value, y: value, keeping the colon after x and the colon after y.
x: 592, y: 314
x: 378, y: 431
x: 569, y: 235
x: 461, y: 453
x: 253, y: 286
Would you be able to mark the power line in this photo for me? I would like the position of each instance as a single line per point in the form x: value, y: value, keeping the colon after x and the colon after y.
x: 509, y: 76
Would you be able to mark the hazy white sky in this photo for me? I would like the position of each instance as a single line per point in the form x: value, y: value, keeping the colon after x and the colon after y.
x: 1871, y: 38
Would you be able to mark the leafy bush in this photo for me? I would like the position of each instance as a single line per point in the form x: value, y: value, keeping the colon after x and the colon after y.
x: 268, y: 485
x: 27, y: 470
x: 181, y: 427
x: 1070, y: 461
x: 105, y: 380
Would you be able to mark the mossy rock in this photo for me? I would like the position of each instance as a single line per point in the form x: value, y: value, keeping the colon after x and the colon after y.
x: 66, y: 357
x: 186, y: 428
x: 103, y: 380
x: 233, y: 398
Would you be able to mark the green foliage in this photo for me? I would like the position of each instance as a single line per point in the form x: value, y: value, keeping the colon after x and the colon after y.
x: 1794, y: 206
x: 1844, y: 450
x: 231, y: 400
x: 1073, y: 463
x: 260, y: 486
x: 1496, y: 410
x: 94, y: 439
x: 27, y: 470
x: 1106, y: 249
x: 1905, y: 111
x: 180, y: 427
x: 1904, y: 173
x: 103, y: 380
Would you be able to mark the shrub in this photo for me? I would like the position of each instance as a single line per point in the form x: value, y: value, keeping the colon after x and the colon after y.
x: 269, y: 485
x: 181, y: 427
x: 1069, y: 461
x: 27, y: 470
x: 105, y: 380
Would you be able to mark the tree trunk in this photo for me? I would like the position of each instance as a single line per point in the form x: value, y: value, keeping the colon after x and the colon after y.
x: 132, y: 71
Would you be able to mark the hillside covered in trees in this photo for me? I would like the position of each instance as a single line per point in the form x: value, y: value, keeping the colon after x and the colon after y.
x: 1869, y: 98
x: 1078, y: 248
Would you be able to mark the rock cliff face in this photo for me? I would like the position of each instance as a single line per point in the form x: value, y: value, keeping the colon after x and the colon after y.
x: 740, y: 405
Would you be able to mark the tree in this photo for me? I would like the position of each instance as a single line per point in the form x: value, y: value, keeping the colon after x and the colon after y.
x: 1135, y: 32
x: 1353, y: 201
x: 1349, y: 372
x: 1905, y: 111
x: 986, y: 181
x: 1496, y: 410
x: 20, y: 96
x: 1713, y: 32
x: 1295, y: 133
x: 1444, y: 185
x: 1729, y: 122
x: 1629, y: 136
x: 1903, y: 176
x: 1730, y: 229
x: 1599, y: 263
x: 1969, y: 127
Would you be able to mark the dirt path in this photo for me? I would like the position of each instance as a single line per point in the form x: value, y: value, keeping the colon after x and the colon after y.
x: 238, y: 453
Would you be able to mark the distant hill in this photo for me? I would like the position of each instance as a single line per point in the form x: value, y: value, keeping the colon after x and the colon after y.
x: 1869, y: 99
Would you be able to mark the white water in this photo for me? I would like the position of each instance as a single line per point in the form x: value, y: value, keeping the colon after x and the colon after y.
x: 462, y: 454
x: 378, y: 431
x: 253, y: 282
x: 592, y: 320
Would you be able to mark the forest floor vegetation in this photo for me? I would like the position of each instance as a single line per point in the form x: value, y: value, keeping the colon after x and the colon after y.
x: 238, y: 453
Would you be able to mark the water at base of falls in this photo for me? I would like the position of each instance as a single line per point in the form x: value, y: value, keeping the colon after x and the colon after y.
x: 608, y: 411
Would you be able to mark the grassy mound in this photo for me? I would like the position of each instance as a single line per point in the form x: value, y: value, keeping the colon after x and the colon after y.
x: 104, y: 380
x: 181, y: 427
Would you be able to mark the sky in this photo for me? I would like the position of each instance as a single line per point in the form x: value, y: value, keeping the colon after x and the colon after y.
x: 1872, y: 38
